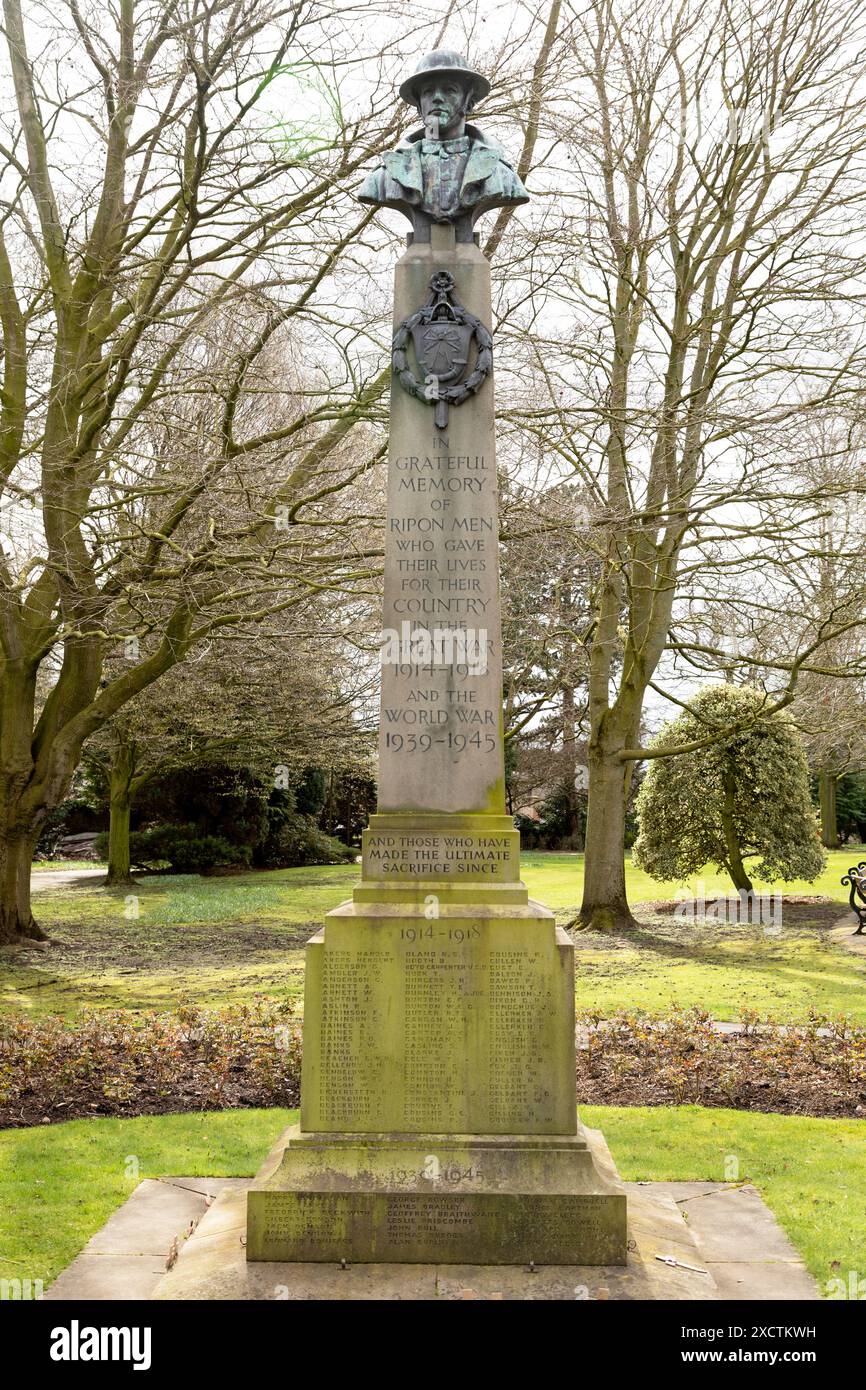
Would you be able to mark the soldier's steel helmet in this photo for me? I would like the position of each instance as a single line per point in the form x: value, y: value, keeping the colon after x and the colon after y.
x: 443, y: 63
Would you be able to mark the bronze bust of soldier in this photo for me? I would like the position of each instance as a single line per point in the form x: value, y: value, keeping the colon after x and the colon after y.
x: 448, y: 171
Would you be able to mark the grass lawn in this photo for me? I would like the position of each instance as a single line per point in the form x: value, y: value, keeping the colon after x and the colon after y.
x: 559, y: 879
x: 720, y: 967
x: 59, y: 1184
x: 218, y: 940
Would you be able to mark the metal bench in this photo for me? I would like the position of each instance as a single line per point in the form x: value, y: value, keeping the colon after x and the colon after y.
x: 856, y: 877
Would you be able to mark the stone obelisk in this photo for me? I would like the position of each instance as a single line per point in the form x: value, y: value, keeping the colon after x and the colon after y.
x: 438, y: 1118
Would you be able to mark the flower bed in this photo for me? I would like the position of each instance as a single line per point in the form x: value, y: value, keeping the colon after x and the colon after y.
x: 127, y: 1063
x: 817, y: 1068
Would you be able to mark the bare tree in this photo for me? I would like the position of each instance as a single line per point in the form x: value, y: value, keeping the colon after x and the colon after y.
x: 179, y: 369
x: 795, y: 588
x: 714, y: 308
x: 545, y: 589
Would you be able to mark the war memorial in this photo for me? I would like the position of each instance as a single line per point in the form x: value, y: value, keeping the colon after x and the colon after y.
x: 438, y: 1119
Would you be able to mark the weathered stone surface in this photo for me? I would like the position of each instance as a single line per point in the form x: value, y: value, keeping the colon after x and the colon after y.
x: 757, y: 1264
x: 120, y: 1278
x: 449, y: 849
x: 212, y: 1266
x: 440, y: 743
x: 741, y: 1243
x: 459, y: 1024
x: 448, y: 1199
x: 127, y: 1258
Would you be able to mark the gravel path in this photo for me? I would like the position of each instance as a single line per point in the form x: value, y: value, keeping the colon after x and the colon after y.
x: 843, y: 935
x: 58, y: 878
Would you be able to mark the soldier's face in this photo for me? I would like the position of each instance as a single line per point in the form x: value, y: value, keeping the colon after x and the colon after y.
x: 444, y: 98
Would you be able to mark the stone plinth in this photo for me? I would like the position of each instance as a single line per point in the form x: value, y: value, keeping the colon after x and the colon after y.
x: 461, y: 1024
x: 436, y: 1199
x: 438, y: 1121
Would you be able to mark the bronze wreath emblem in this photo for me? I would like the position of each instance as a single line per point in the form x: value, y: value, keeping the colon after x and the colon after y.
x: 442, y: 331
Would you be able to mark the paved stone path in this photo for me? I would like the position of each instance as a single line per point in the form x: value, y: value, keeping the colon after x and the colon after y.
x: 725, y: 1230
x: 127, y: 1258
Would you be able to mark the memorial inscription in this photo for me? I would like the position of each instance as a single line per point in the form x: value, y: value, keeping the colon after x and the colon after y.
x: 442, y: 1025
x: 441, y: 652
x: 431, y: 1227
x: 461, y: 857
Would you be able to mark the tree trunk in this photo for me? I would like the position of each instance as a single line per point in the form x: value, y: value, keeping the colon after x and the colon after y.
x: 120, y: 807
x: 569, y: 752
x: 118, y: 841
x: 736, y: 867
x: 827, y: 794
x: 19, y: 823
x: 605, y: 904
x: 16, y: 919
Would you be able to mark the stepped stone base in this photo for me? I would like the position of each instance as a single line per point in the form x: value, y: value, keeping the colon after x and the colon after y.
x: 438, y: 1124
x: 438, y: 1199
